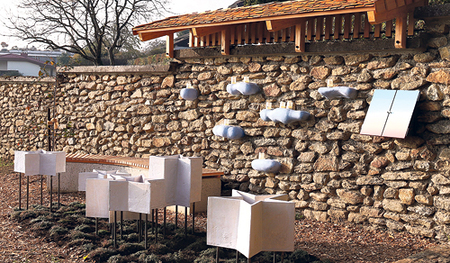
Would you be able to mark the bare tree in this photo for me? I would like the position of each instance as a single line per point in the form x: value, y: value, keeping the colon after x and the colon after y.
x: 89, y: 28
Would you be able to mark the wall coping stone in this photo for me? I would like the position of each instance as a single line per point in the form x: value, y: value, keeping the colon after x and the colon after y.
x: 145, y: 69
x: 28, y: 80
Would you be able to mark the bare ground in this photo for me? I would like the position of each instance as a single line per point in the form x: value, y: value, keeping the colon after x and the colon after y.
x: 338, y: 242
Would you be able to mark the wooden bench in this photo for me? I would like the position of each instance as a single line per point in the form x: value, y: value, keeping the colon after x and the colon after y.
x: 77, y: 163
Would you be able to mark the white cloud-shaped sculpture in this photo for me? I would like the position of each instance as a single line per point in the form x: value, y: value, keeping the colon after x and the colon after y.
x: 283, y: 115
x: 266, y: 165
x: 244, y: 88
x: 251, y: 223
x: 40, y: 162
x: 229, y: 132
x: 172, y: 180
x: 189, y: 93
x: 338, y: 92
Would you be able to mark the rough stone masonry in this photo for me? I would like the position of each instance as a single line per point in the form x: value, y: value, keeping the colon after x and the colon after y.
x: 329, y: 170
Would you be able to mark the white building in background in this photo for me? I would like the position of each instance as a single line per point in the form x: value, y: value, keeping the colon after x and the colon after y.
x: 24, y: 65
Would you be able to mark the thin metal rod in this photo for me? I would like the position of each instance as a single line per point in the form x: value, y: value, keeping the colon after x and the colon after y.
x: 96, y: 226
x: 153, y: 220
x: 20, y: 191
x: 185, y: 220
x: 176, y: 216
x: 156, y: 225
x: 139, y: 227
x: 282, y: 257
x: 217, y: 254
x: 145, y: 230
x: 42, y: 187
x: 274, y: 257
x: 193, y: 218
x: 249, y: 260
x: 114, y: 229
x: 51, y: 192
x: 121, y: 224
x: 59, y: 189
x: 28, y: 190
x: 164, y: 228
x: 237, y: 256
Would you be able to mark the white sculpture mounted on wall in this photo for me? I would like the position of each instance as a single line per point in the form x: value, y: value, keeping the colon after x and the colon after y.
x: 253, y: 223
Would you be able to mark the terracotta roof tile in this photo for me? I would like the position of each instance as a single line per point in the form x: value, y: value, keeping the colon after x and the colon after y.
x: 259, y: 11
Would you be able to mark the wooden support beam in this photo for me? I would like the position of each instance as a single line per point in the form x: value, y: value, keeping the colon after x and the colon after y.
x: 191, y: 39
x: 253, y: 33
x: 239, y: 33
x: 389, y: 28
x: 247, y: 34
x: 367, y: 27
x: 204, y: 31
x: 277, y: 25
x: 310, y: 29
x: 378, y: 16
x: 337, y: 27
x: 169, y: 45
x: 377, y: 31
x: 347, y: 26
x: 152, y: 35
x: 411, y: 24
x: 225, y: 41
x: 357, y: 26
x: 300, y: 37
x: 261, y: 32
x: 319, y: 28
x: 328, y: 27
x: 400, y: 32
x: 233, y: 35
x: 390, y: 4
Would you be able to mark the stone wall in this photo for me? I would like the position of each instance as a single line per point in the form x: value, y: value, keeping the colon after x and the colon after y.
x: 329, y: 170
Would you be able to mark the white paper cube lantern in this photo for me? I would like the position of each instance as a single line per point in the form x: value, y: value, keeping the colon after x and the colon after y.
x: 82, y: 177
x: 143, y: 197
x: 52, y: 163
x: 27, y: 162
x: 251, y: 223
x: 97, y: 198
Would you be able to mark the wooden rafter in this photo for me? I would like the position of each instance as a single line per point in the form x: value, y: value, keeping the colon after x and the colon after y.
x: 386, y: 10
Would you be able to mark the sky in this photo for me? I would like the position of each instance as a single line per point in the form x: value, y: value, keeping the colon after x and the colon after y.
x: 177, y: 7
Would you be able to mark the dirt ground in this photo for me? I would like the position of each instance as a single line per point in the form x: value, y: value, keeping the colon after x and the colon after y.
x: 338, y: 242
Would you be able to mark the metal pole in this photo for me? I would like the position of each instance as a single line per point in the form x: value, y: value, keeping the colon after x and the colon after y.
x: 164, y: 229
x: 20, y: 191
x: 237, y: 256
x: 193, y: 218
x: 217, y: 254
x: 114, y: 229
x: 185, y: 220
x: 96, y: 226
x: 139, y: 227
x: 176, y: 216
x: 28, y: 189
x: 121, y: 224
x: 51, y: 192
x: 153, y: 220
x: 282, y: 257
x: 59, y: 189
x: 249, y: 260
x: 274, y: 257
x: 156, y: 225
x: 42, y: 187
x: 145, y: 231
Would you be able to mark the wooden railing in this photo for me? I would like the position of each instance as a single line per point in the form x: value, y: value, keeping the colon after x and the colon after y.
x: 338, y: 27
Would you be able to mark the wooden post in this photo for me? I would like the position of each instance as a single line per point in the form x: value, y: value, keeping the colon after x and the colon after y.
x: 400, y: 32
x: 225, y: 42
x: 300, y: 37
x: 169, y: 45
x: 337, y: 27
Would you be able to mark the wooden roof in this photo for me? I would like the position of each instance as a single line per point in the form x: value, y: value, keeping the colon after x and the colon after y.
x: 276, y: 15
